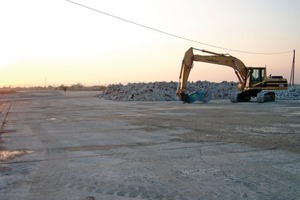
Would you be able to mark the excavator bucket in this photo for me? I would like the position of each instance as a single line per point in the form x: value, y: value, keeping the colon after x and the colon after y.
x: 202, y: 96
x: 196, y: 96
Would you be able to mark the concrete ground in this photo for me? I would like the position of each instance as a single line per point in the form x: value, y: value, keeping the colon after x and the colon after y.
x: 73, y: 145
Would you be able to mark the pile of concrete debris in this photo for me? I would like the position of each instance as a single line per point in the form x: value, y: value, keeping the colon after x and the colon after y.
x: 166, y: 91
x: 156, y: 91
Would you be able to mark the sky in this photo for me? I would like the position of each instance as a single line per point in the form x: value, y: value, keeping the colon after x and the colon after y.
x: 55, y: 42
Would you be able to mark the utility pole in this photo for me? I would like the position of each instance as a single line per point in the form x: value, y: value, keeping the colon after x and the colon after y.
x: 292, y: 77
x: 45, y: 82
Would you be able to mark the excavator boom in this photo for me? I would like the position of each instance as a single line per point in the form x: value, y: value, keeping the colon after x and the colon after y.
x: 215, y: 58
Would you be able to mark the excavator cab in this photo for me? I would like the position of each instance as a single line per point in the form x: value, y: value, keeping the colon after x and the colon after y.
x: 255, y: 76
x: 258, y: 75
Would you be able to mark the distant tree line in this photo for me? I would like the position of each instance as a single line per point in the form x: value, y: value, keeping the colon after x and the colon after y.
x: 81, y: 87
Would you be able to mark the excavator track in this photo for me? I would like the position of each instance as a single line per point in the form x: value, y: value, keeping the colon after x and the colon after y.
x: 261, y: 97
x: 240, y: 97
x: 265, y: 96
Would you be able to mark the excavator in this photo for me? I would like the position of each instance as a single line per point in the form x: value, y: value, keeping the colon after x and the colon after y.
x: 253, y: 81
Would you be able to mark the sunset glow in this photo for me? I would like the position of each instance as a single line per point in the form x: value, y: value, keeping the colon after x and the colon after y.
x: 57, y: 42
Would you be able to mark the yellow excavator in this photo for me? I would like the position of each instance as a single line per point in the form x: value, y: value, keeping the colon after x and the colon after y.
x: 253, y: 81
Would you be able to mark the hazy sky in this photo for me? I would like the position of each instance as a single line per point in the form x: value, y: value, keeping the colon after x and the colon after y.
x: 56, y: 42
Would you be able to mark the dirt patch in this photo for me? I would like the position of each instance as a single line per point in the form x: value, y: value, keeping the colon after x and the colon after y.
x: 7, y: 91
x: 8, y: 155
x: 271, y: 141
x: 258, y: 126
x: 108, y: 147
x: 8, y: 131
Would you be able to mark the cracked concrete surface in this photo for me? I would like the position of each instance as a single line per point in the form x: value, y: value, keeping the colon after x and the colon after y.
x: 77, y: 146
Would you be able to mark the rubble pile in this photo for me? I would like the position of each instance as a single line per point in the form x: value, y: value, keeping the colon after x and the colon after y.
x: 292, y: 93
x: 156, y: 91
x: 166, y: 91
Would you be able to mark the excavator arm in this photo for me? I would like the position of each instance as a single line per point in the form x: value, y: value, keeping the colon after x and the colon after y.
x: 214, y: 58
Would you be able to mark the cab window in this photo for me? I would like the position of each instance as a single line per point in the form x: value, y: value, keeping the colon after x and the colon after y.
x: 257, y: 75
